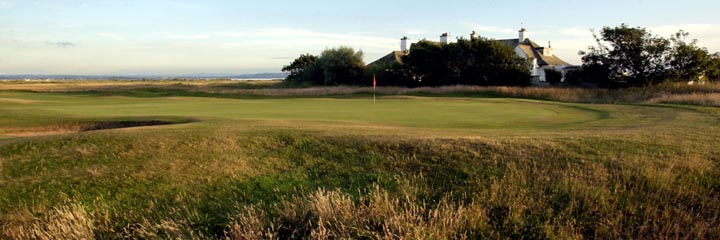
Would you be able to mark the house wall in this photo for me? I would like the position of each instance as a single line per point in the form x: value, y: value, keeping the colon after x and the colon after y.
x: 536, y: 72
x: 540, y: 72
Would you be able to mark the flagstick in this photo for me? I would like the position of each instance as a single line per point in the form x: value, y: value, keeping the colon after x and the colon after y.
x: 374, y: 86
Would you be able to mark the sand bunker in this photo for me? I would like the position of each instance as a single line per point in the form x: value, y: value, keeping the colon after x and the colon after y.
x: 88, y: 126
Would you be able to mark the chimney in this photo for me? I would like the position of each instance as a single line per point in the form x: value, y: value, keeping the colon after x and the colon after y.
x: 403, y: 44
x: 444, y: 38
x: 523, y: 35
x: 473, y: 35
x: 548, y: 50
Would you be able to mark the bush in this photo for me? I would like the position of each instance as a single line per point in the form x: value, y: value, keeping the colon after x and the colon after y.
x: 390, y: 74
x: 553, y: 76
x: 341, y: 66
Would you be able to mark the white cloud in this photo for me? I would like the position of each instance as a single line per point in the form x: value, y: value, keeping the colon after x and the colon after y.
x: 489, y: 29
x: 493, y: 29
x: 698, y: 28
x: 708, y: 35
x: 112, y: 36
x: 415, y: 32
x: 184, y: 5
x: 228, y: 51
x: 294, y: 37
x: 575, y: 32
x: 567, y: 41
x: 62, y: 44
x: 187, y: 37
x: 260, y: 47
x: 68, y: 26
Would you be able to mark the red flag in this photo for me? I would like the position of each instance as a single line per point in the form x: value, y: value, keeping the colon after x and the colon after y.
x: 374, y: 81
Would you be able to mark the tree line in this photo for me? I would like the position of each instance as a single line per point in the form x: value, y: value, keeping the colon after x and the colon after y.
x: 466, y: 62
x: 623, y: 57
x: 631, y: 57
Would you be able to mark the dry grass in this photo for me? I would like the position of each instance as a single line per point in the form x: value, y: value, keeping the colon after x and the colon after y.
x: 66, y: 222
x: 377, y: 215
x: 670, y: 93
x: 538, y: 195
x: 704, y: 99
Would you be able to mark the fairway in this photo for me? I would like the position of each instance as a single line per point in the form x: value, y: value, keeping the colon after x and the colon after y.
x: 442, y: 166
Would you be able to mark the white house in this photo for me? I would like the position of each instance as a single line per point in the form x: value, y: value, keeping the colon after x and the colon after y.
x: 539, y: 57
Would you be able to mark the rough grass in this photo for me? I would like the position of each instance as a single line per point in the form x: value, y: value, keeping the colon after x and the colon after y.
x: 703, y: 99
x: 243, y: 187
x: 701, y: 94
x: 63, y: 222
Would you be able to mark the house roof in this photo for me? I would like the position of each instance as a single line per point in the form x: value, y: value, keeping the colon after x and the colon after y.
x: 550, y: 60
x: 533, y: 51
x: 393, y: 57
x: 515, y: 42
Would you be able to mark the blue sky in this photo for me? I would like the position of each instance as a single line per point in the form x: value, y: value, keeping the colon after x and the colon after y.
x: 184, y: 37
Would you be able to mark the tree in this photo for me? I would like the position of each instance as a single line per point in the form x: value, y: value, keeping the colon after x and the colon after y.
x: 470, y: 62
x: 574, y: 77
x: 554, y: 77
x: 299, y: 68
x: 629, y: 56
x: 341, y: 66
x: 428, y: 62
x: 390, y: 74
x: 481, y: 61
x: 713, y: 70
x: 688, y: 62
x: 335, y: 66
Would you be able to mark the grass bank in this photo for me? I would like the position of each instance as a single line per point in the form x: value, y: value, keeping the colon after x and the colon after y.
x: 303, y: 186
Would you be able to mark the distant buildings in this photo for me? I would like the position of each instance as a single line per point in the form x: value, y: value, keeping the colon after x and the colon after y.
x: 539, y: 57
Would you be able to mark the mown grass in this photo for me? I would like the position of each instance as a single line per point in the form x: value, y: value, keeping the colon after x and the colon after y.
x: 328, y: 168
x: 390, y: 112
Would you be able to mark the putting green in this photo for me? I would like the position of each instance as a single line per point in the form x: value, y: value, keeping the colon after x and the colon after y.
x: 461, y: 113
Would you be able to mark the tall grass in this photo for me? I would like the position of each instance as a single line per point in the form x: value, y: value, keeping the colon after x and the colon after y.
x: 625, y: 187
x: 665, y: 93
x: 334, y: 214
x: 704, y: 99
x: 64, y: 222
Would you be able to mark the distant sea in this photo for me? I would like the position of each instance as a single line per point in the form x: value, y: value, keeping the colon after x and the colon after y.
x: 256, y: 76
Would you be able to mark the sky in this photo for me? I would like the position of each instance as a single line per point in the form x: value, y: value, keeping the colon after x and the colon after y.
x: 236, y: 37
